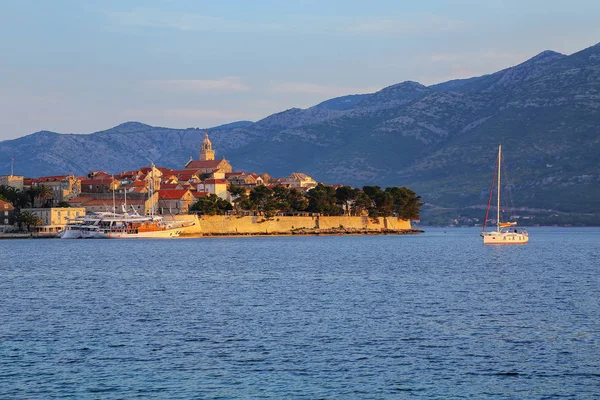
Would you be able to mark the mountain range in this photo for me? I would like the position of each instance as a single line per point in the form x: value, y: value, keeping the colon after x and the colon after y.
x: 439, y: 140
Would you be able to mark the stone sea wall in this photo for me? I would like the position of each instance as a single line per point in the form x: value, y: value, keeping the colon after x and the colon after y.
x: 234, y: 225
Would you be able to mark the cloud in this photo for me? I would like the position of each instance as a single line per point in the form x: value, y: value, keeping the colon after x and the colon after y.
x: 384, y: 25
x: 228, y: 84
x: 154, y: 18
x: 298, y: 24
x: 313, y: 88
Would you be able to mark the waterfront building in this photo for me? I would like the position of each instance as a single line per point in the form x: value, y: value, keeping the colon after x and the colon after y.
x: 54, y: 219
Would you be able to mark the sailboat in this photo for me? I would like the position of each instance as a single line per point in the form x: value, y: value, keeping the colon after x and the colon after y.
x: 506, y: 232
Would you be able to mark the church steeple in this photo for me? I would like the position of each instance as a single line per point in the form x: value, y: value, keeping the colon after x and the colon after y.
x: 206, y: 153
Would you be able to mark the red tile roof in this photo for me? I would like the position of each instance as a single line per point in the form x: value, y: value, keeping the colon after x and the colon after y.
x: 215, y: 181
x: 107, y: 202
x: 168, y: 186
x: 172, y: 194
x: 6, y: 206
x: 235, y: 173
x: 203, y: 164
x: 100, y: 181
x: 52, y: 178
x: 200, y: 194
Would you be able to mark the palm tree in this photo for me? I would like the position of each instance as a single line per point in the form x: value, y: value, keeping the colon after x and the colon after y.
x: 32, y: 192
x: 45, y: 193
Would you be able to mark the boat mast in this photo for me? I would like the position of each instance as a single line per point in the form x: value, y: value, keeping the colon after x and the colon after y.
x: 498, y: 210
x: 113, y: 190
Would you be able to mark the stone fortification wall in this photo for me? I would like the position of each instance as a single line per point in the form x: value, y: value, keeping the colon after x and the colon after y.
x: 222, y: 225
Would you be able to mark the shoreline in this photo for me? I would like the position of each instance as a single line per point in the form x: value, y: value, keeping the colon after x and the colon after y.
x: 308, y: 232
x: 299, y: 232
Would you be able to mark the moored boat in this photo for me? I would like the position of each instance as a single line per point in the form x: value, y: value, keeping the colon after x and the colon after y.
x: 119, y: 226
x: 506, y: 232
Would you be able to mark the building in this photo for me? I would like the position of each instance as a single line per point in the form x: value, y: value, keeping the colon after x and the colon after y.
x: 15, y: 181
x: 54, y: 219
x: 299, y: 181
x: 216, y: 186
x: 63, y: 187
x: 207, y: 163
x: 7, y: 215
x: 99, y: 184
x: 176, y: 201
x: 118, y: 202
x: 244, y: 179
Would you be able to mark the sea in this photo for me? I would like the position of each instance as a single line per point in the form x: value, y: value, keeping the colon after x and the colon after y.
x: 436, y: 315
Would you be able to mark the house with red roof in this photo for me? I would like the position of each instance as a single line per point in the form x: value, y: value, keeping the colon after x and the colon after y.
x: 177, y: 201
x: 7, y: 215
x: 99, y: 185
x: 215, y: 186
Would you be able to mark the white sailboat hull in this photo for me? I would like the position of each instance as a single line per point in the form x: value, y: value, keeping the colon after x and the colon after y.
x: 505, y: 238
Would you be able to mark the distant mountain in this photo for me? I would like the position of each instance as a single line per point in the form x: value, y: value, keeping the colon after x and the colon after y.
x: 439, y: 140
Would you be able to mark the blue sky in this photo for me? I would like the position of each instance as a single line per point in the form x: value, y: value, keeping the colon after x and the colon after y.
x: 82, y: 66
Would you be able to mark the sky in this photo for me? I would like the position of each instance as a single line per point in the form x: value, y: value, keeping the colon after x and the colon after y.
x: 77, y: 66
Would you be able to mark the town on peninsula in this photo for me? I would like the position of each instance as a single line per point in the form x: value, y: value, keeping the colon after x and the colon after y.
x: 210, y: 196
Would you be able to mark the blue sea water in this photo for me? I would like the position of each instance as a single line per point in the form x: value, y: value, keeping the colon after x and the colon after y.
x: 436, y: 315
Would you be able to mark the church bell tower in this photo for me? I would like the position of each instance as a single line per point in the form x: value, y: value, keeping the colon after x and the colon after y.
x: 207, y: 153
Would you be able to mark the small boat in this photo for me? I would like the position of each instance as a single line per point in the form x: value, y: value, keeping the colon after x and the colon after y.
x: 506, y: 232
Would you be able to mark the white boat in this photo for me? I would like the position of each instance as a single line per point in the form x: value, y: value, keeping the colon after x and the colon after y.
x: 110, y: 225
x: 119, y: 226
x: 506, y: 232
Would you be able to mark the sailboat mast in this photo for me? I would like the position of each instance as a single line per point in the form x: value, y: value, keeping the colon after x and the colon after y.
x: 113, y: 190
x: 498, y: 209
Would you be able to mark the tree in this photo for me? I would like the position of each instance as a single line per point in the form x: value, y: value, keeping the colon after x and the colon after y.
x: 362, y: 203
x: 29, y: 220
x: 345, y: 195
x: 11, y: 194
x: 45, y: 193
x: 32, y: 192
x: 262, y: 197
x: 383, y: 202
x: 321, y: 199
x: 239, y: 196
x: 64, y: 204
x: 211, y: 205
x: 297, y: 200
x: 406, y: 202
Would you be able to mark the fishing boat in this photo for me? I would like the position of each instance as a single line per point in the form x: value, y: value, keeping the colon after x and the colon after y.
x: 506, y: 232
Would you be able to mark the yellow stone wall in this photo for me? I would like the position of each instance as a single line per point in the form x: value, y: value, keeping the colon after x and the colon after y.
x: 219, y: 224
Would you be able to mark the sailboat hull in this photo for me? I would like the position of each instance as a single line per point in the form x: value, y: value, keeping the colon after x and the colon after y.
x: 505, y: 238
